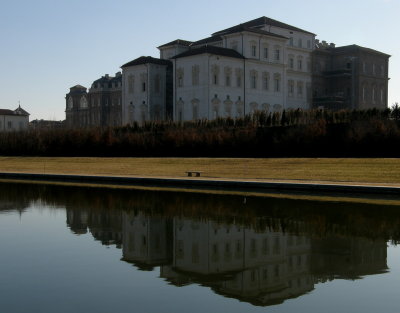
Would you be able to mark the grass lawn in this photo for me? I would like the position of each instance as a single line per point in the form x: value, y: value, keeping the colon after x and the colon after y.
x: 383, y: 171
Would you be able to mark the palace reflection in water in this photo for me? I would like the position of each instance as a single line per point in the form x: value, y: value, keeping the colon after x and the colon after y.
x: 259, y: 265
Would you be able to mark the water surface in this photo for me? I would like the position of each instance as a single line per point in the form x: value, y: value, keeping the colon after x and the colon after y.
x: 79, y: 249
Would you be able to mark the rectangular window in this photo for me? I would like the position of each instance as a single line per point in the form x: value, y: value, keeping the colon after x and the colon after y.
x: 215, y: 79
x: 299, y: 65
x: 265, y: 53
x: 253, y: 50
x: 299, y: 89
x: 291, y: 88
x: 195, y: 75
x: 130, y: 84
x: 291, y: 63
x: 309, y: 44
x: 239, y: 81
x: 195, y: 253
x: 277, y: 85
x: 180, y: 250
x: 277, y: 246
x: 143, y: 86
x: 9, y: 124
x: 291, y: 41
x: 157, y: 84
x: 266, y: 83
x: 277, y: 54
x: 265, y: 246
x: 253, y: 82
x: 228, y: 81
x: 300, y: 43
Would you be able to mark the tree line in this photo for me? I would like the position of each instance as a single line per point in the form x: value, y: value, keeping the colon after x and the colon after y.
x: 290, y: 133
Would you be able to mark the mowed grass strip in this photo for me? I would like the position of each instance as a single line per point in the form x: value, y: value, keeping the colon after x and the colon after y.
x: 382, y: 171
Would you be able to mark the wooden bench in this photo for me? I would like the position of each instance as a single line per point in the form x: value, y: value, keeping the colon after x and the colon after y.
x: 193, y: 173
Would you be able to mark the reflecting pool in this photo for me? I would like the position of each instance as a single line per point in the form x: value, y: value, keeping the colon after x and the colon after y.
x: 82, y: 249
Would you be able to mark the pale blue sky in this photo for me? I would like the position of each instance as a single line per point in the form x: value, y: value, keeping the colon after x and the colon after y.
x: 48, y: 46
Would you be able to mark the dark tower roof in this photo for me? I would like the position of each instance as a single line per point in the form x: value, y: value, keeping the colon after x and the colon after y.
x: 211, y: 50
x: 146, y: 60
x: 177, y: 42
x: 260, y: 22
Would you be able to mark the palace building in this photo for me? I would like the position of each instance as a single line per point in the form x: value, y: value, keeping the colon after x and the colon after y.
x: 259, y: 65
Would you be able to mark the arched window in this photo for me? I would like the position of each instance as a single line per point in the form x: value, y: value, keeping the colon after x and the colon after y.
x: 253, y: 107
x: 70, y: 103
x: 83, y: 103
x: 239, y: 107
x: 179, y: 110
x: 215, y: 106
x: 195, y: 109
x: 228, y: 106
x: 265, y: 107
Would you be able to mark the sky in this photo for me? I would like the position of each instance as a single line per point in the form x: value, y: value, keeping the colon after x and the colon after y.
x: 48, y: 46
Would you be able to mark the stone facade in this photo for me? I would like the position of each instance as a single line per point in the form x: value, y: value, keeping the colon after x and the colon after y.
x: 147, y: 90
x: 349, y: 77
x: 101, y: 106
x: 260, y: 65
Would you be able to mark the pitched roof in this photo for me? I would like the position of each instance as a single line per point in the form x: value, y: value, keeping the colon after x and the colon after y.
x: 6, y: 112
x: 243, y: 28
x: 146, y: 60
x: 263, y: 21
x: 18, y: 111
x: 177, y: 42
x: 211, y: 50
x: 21, y: 111
x: 207, y: 40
